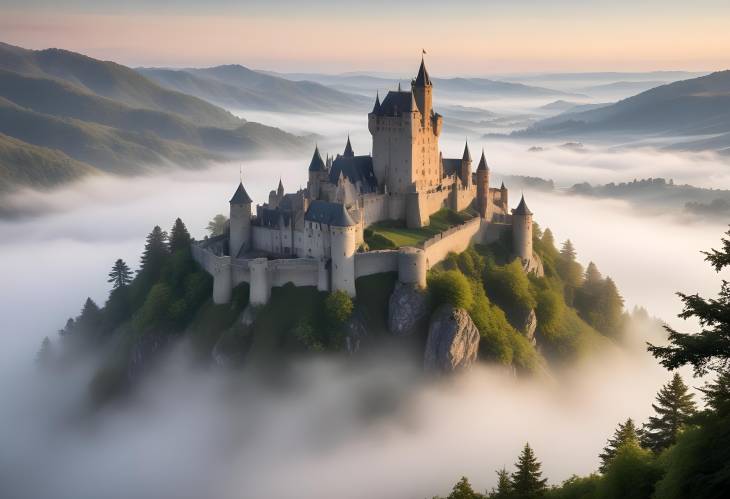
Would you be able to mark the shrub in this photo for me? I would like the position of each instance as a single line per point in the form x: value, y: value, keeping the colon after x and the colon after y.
x: 338, y: 307
x: 450, y: 287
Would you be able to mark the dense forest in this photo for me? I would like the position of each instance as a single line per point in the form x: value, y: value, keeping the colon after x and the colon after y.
x: 682, y: 451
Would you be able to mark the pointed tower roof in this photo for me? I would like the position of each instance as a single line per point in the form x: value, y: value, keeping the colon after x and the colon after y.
x: 483, y: 166
x: 467, y: 154
x: 349, y: 153
x: 376, y: 107
x: 422, y: 80
x: 316, y: 165
x: 240, y: 196
x: 280, y: 188
x: 503, y: 188
x: 522, y: 208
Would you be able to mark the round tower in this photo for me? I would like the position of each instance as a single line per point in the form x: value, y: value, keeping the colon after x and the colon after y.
x: 503, y: 197
x: 412, y: 266
x: 343, y: 237
x: 522, y: 231
x: 240, y: 222
x: 465, y: 173
x: 483, y: 187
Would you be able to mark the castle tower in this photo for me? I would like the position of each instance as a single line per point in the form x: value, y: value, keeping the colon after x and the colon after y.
x: 503, y: 196
x: 317, y: 170
x: 343, y: 239
x: 465, y: 173
x: 280, y: 190
x: 240, y: 222
x: 522, y: 231
x: 423, y: 93
x: 348, y: 153
x: 483, y: 187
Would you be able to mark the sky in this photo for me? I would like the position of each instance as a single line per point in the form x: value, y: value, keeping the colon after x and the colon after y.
x: 462, y: 37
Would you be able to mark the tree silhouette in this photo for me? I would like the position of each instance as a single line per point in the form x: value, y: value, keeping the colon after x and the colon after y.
x: 504, y: 489
x: 155, y: 251
x: 626, y: 433
x: 217, y: 226
x: 674, y: 407
x: 179, y: 236
x: 709, y: 349
x: 526, y: 481
x: 120, y: 274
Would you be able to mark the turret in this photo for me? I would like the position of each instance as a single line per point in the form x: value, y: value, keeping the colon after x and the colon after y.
x: 280, y: 190
x: 522, y: 231
x: 423, y: 93
x: 348, y: 153
x: 465, y: 173
x: 240, y: 222
x: 503, y: 196
x: 483, y: 187
x: 343, y: 232
x: 316, y: 171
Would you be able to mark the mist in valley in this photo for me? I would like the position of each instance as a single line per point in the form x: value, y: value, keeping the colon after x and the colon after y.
x: 325, y: 427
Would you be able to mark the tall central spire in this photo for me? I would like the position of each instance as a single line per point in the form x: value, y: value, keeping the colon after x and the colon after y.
x: 422, y: 80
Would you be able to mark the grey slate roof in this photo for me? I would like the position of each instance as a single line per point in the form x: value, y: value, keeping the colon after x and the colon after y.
x: 467, y: 154
x: 348, y: 149
x: 328, y: 213
x: 240, y: 196
x: 483, y: 163
x: 316, y: 165
x: 451, y: 166
x: 272, y: 217
x: 522, y: 208
x: 376, y: 107
x: 396, y: 103
x: 422, y: 79
x: 357, y: 169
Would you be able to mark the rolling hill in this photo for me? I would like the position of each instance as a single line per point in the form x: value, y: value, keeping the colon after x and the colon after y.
x: 695, y: 107
x: 114, y: 81
x: 237, y: 86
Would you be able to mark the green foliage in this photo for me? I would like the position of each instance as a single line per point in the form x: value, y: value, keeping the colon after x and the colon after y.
x: 377, y: 241
x: 463, y: 490
x: 217, y: 226
x: 569, y: 270
x: 394, y: 233
x: 631, y: 474
x: 509, y: 287
x: 450, y: 287
x: 550, y: 311
x: 120, y: 274
x: 575, y: 487
x: 179, y: 237
x: 625, y: 434
x: 373, y: 298
x: 599, y: 303
x: 153, y: 257
x: 504, y: 489
x: 155, y: 311
x: 338, y: 307
x: 527, y: 481
x: 307, y: 335
x: 674, y: 408
x: 709, y: 349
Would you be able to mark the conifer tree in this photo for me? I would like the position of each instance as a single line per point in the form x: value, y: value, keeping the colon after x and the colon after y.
x: 463, y: 490
x: 120, y: 274
x: 570, y: 271
x: 45, y: 353
x: 592, y: 276
x: 674, y: 407
x: 504, y: 488
x: 179, y: 236
x: 717, y: 392
x: 526, y: 481
x: 548, y: 239
x: 155, y: 251
x: 626, y: 433
x: 567, y: 251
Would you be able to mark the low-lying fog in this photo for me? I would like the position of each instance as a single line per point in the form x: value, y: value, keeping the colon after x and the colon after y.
x: 342, y: 431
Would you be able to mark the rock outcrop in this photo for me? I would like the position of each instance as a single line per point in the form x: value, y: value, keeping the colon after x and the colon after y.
x: 407, y: 309
x: 453, y: 340
x: 355, y: 332
x: 529, y: 325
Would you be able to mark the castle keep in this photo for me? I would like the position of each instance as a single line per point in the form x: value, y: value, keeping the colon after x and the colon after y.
x: 312, y: 237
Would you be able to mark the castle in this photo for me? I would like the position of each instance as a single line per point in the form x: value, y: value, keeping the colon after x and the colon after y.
x: 312, y: 237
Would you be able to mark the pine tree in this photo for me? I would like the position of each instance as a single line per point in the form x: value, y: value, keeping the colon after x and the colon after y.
x: 567, y: 251
x: 674, y: 408
x: 463, y: 490
x: 504, y: 488
x: 626, y: 433
x: 611, y: 306
x: 120, y: 274
x: 548, y: 239
x: 179, y: 236
x: 526, y: 481
x: 155, y: 251
x: 217, y: 226
x: 717, y: 393
x: 592, y: 276
x: 45, y: 353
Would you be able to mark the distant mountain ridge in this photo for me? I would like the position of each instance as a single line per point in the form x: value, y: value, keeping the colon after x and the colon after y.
x: 237, y: 86
x: 74, y: 112
x: 695, y: 107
